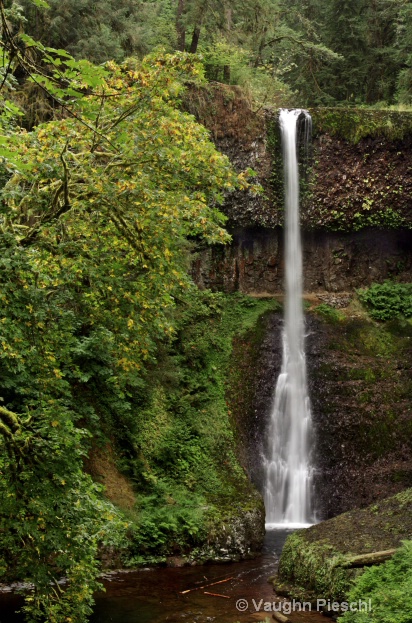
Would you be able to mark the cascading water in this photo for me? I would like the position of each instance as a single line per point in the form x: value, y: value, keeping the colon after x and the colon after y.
x: 288, y: 481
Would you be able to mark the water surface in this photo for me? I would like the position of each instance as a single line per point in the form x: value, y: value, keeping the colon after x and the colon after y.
x: 155, y: 595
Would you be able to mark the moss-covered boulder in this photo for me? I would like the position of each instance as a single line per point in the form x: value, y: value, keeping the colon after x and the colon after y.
x: 312, y: 565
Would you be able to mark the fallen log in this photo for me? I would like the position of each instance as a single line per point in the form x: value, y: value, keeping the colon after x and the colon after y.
x: 365, y: 560
x: 280, y: 618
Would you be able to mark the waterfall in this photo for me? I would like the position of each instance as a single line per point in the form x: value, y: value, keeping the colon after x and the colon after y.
x: 288, y: 474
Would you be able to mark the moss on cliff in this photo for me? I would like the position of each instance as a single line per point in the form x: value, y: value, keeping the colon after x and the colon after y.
x: 353, y: 187
x: 354, y: 124
x: 360, y: 173
x: 274, y: 145
x: 310, y: 565
x: 193, y: 497
x: 360, y: 381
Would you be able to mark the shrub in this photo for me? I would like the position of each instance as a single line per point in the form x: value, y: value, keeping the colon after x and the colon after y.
x: 389, y: 587
x: 388, y: 300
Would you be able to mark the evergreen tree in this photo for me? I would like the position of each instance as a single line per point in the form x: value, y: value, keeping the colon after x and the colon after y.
x: 403, y: 53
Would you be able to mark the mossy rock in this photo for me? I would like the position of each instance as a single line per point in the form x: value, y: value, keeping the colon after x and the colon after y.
x: 311, y: 562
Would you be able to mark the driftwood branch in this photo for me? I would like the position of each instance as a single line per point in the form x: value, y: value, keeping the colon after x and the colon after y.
x: 198, y: 588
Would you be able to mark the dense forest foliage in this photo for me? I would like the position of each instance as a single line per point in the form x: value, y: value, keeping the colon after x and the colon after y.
x: 107, y: 188
x: 320, y: 51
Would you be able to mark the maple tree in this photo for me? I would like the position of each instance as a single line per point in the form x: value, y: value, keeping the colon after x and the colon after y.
x: 100, y: 209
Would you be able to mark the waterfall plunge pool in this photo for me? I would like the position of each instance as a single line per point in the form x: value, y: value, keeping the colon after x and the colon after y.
x: 154, y: 595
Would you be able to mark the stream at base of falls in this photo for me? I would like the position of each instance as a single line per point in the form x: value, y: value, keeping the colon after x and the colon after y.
x: 153, y: 595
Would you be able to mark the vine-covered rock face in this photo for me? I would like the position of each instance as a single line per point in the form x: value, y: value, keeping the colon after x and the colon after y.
x: 354, y: 186
x: 358, y: 173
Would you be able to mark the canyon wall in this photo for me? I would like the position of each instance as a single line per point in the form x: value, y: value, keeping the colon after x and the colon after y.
x: 333, y: 261
x: 360, y: 385
x: 356, y: 215
x: 356, y: 197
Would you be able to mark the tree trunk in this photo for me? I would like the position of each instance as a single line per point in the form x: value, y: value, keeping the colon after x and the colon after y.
x: 228, y: 18
x: 228, y: 28
x: 195, y: 39
x: 180, y: 27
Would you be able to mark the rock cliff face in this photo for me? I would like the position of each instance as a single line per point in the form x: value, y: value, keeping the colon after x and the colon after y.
x: 360, y: 383
x: 333, y: 262
x: 357, y: 230
x: 356, y: 198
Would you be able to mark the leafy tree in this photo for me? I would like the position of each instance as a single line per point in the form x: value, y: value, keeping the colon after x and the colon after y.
x: 364, y: 35
x: 98, y: 31
x: 326, y: 50
x: 97, y: 212
x: 382, y: 16
x: 344, y: 24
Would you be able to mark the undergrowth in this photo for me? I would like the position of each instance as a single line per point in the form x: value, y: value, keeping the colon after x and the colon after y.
x: 328, y: 313
x: 388, y: 300
x: 311, y: 561
x: 184, y: 462
x: 389, y: 587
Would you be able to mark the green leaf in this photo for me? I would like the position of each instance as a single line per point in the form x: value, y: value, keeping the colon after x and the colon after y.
x: 41, y: 4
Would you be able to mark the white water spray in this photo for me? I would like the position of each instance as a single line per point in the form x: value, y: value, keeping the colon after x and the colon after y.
x: 287, y: 467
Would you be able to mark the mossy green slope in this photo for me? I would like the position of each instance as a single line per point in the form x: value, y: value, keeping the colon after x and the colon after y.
x: 354, y: 124
x: 311, y: 559
x: 193, y: 498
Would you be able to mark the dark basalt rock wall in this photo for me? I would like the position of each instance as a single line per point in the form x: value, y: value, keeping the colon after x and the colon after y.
x: 360, y: 383
x: 358, y: 173
x: 333, y: 262
x: 357, y: 229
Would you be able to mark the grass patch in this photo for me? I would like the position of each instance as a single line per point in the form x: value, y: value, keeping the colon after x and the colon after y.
x: 328, y: 313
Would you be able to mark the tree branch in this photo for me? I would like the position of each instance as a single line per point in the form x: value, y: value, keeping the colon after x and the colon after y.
x: 10, y: 420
